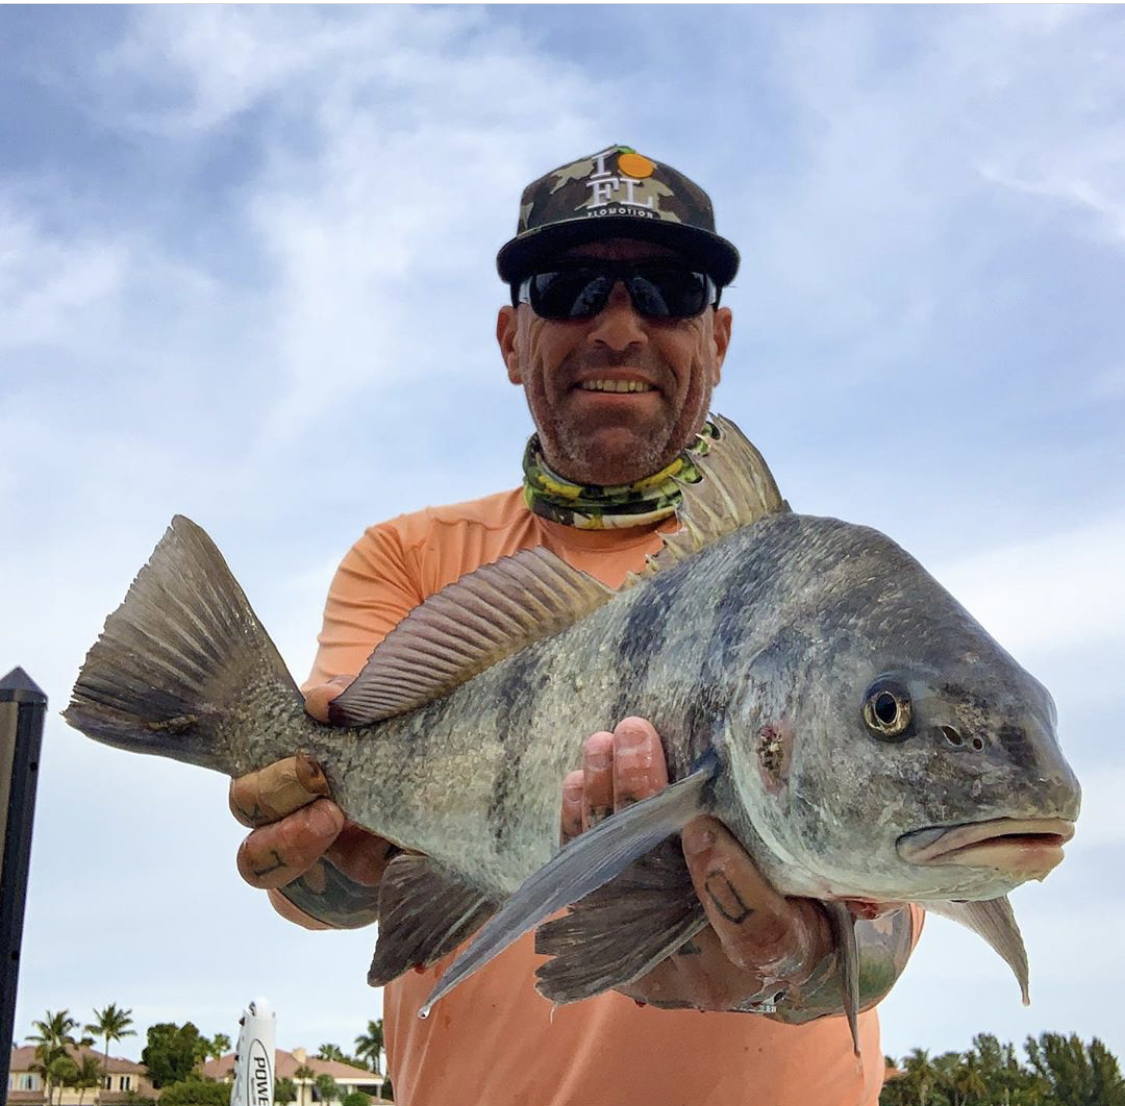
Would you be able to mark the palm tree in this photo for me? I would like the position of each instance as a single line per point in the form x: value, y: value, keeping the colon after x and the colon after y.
x: 968, y: 1080
x: 326, y: 1088
x: 112, y: 1024
x: 89, y: 1076
x: 331, y: 1052
x: 921, y: 1073
x: 52, y: 1037
x: 369, y: 1045
x: 218, y: 1046
x: 304, y: 1074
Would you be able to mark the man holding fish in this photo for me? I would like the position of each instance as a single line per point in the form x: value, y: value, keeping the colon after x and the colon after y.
x: 616, y: 333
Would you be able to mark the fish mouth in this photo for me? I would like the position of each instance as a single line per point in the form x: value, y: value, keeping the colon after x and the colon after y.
x: 1025, y: 846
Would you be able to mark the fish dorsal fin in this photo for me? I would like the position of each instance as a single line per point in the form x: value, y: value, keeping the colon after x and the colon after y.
x: 737, y: 489
x: 467, y: 627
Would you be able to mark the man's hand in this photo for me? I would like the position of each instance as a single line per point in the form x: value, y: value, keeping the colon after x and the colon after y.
x: 303, y: 843
x: 759, y: 943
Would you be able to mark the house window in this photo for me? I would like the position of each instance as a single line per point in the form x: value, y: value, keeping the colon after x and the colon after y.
x: 107, y: 1083
x: 27, y: 1083
x: 126, y: 1082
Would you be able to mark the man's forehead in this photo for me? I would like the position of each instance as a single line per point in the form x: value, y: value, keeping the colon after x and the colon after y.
x: 619, y: 249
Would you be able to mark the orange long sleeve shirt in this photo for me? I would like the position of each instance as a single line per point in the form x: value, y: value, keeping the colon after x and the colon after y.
x: 494, y: 1039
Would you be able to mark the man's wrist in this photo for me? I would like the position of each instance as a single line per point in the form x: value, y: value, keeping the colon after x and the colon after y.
x: 325, y: 894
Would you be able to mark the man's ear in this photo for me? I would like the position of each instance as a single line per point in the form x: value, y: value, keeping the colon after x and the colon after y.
x: 507, y: 335
x: 720, y: 335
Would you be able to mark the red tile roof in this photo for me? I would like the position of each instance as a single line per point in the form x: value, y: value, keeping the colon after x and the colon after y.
x: 23, y: 1058
x: 286, y: 1065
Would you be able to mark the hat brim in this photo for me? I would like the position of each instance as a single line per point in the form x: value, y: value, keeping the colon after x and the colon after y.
x: 523, y: 254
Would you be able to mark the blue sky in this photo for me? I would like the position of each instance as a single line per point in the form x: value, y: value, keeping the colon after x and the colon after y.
x: 246, y: 274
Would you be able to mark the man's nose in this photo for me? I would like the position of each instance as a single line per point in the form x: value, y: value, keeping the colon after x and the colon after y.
x: 617, y: 325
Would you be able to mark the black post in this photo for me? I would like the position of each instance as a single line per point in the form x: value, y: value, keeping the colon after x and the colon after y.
x: 22, y: 706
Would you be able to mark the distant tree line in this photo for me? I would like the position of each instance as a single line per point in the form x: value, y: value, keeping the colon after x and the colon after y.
x: 172, y: 1055
x: 1058, y: 1071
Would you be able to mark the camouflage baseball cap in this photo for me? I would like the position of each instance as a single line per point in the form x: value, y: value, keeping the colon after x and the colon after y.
x: 616, y: 193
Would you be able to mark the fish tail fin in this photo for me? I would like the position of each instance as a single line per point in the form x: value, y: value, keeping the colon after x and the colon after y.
x: 177, y: 657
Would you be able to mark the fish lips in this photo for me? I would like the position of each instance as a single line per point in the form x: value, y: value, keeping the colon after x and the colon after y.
x: 1026, y: 847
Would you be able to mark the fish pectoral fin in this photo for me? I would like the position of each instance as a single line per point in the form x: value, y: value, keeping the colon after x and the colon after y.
x: 582, y: 866
x: 847, y: 951
x: 467, y: 627
x: 995, y: 921
x: 424, y: 914
x: 622, y: 930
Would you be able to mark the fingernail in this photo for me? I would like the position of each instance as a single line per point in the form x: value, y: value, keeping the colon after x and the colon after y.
x: 631, y: 736
x: 321, y: 821
x: 697, y: 840
x: 572, y: 792
x: 599, y: 762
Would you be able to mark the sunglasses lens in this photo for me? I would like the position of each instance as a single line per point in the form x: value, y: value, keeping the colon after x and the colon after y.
x: 569, y: 293
x: 657, y: 291
x: 667, y: 292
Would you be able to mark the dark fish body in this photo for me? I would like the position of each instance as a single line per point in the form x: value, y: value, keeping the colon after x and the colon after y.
x: 758, y: 651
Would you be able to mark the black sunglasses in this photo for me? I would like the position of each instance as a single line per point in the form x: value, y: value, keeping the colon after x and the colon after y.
x: 658, y: 289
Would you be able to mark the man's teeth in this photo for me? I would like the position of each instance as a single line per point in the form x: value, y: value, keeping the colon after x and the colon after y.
x: 615, y: 386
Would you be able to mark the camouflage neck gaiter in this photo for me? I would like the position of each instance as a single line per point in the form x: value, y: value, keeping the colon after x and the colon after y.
x: 592, y: 507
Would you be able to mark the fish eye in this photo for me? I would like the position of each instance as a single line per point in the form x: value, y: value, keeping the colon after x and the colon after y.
x: 888, y: 712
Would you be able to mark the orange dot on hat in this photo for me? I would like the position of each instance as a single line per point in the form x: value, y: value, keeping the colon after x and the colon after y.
x: 635, y: 165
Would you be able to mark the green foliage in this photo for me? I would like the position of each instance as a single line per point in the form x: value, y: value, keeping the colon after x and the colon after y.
x: 284, y: 1092
x: 131, y: 1098
x: 218, y: 1046
x: 1062, y: 1071
x: 111, y: 1024
x: 369, y: 1045
x: 172, y: 1052
x: 325, y: 1088
x: 331, y: 1052
x: 388, y: 1090
x: 196, y: 1092
x: 53, y: 1039
x: 88, y: 1075
x: 356, y: 1098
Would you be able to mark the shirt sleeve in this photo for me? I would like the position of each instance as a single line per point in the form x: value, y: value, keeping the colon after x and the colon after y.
x: 374, y: 588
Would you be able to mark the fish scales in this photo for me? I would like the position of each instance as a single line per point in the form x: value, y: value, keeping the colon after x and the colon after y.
x: 475, y: 780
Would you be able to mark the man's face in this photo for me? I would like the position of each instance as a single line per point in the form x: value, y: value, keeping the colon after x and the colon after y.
x: 595, y: 436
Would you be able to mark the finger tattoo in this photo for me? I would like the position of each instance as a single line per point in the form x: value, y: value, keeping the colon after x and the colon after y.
x: 275, y: 867
x: 727, y: 900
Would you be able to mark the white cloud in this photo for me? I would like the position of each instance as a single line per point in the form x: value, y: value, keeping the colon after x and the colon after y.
x: 51, y: 285
x: 1050, y: 594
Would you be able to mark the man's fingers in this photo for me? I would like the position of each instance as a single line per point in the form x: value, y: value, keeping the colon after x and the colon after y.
x: 318, y: 698
x: 293, y: 913
x: 639, y: 767
x: 597, y: 779
x: 759, y: 929
x: 261, y: 797
x: 277, y: 854
x: 362, y: 857
x: 570, y: 824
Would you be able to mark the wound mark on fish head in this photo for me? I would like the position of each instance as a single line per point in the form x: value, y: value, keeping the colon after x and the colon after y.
x: 773, y: 750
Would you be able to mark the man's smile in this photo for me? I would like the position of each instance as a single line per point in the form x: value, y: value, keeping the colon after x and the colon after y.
x: 615, y: 386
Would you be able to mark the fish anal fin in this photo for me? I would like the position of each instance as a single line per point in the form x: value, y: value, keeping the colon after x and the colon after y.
x: 424, y: 914
x: 995, y: 921
x: 467, y: 627
x: 622, y: 930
